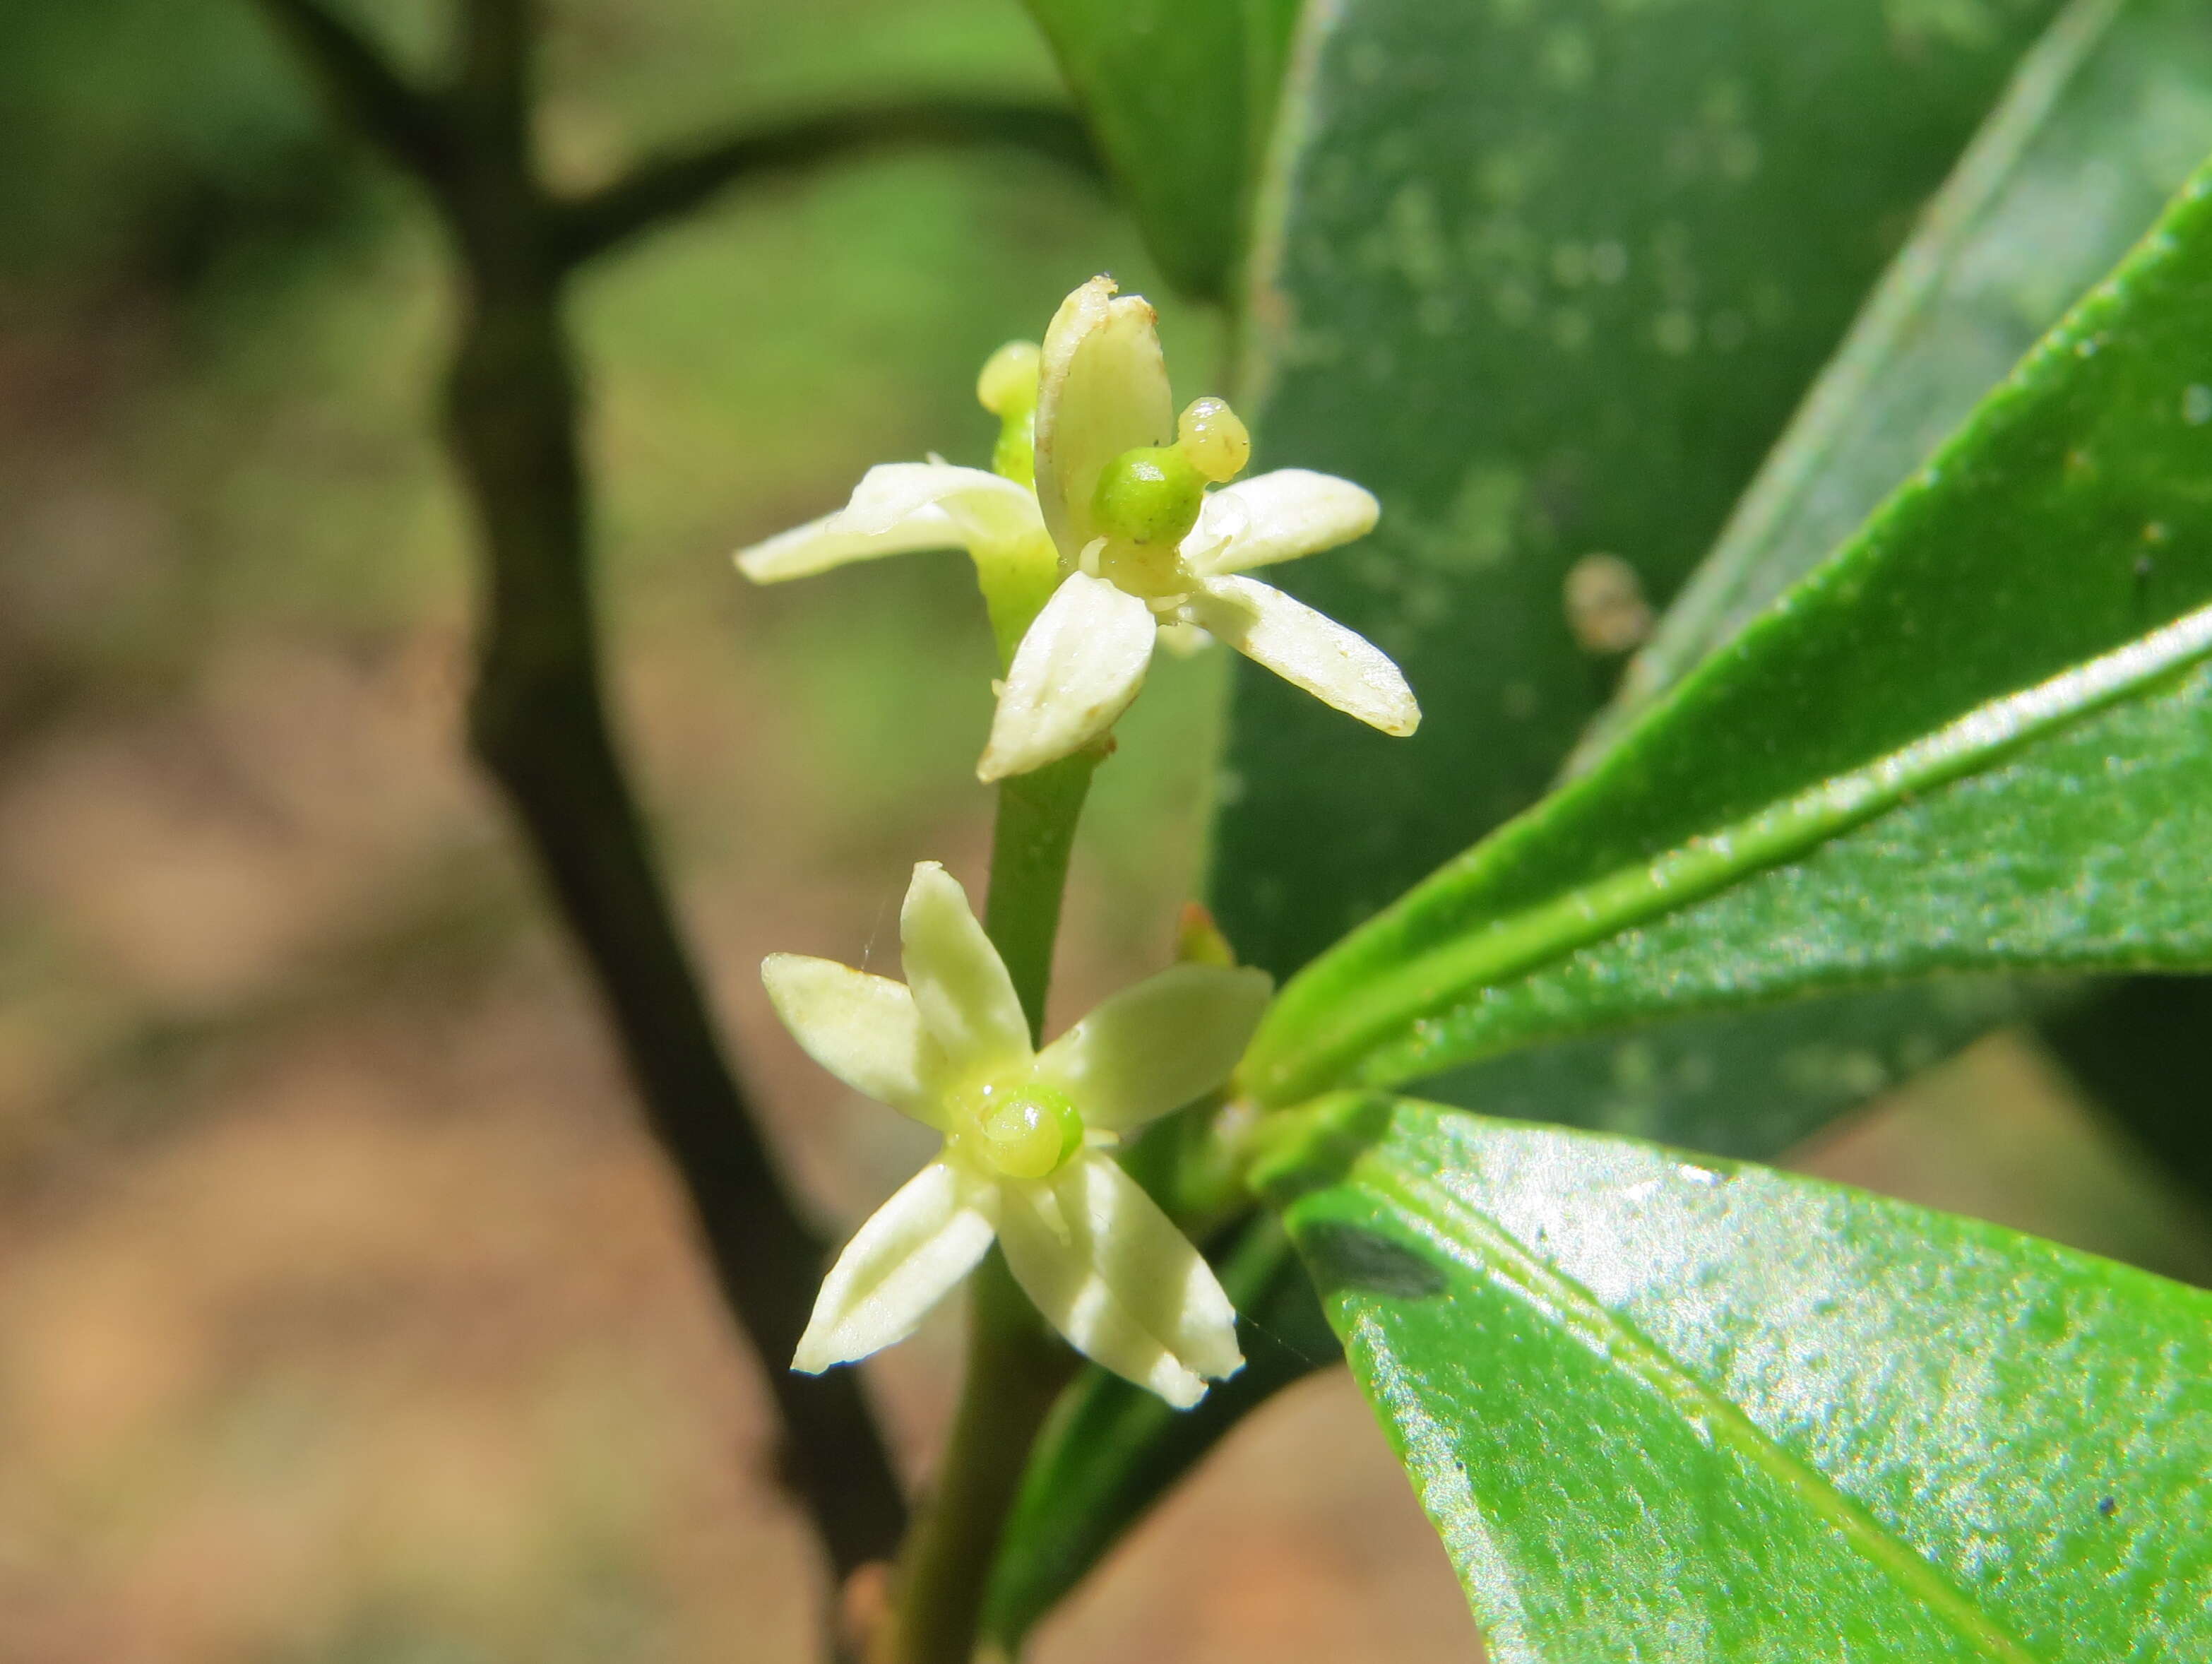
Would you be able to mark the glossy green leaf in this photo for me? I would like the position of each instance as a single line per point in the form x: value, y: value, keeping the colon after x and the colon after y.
x: 1972, y: 741
x: 1181, y: 100
x: 2106, y: 121
x: 1668, y: 1409
x: 1549, y: 279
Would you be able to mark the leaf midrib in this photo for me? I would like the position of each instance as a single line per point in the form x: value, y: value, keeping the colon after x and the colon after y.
x: 1477, y: 1242
x: 1524, y: 941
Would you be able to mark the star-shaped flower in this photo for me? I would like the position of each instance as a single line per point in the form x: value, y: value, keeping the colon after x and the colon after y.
x: 1026, y: 1135
x: 1096, y: 474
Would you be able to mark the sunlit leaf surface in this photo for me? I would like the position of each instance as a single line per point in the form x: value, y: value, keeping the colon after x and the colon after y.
x: 1665, y: 1408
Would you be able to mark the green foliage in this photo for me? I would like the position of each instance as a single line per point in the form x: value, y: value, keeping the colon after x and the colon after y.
x: 1181, y: 100
x: 1915, y: 707
x: 2105, y: 122
x: 1549, y: 280
x: 1665, y: 1408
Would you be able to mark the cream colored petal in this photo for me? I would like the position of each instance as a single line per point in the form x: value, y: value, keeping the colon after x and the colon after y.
x: 1336, y: 666
x: 1103, y: 390
x: 1278, y: 516
x: 898, y: 507
x: 1111, y: 1272
x: 1077, y: 667
x: 1156, y: 1047
x: 960, y: 985
x: 981, y: 504
x: 862, y: 1028
x: 903, y: 1262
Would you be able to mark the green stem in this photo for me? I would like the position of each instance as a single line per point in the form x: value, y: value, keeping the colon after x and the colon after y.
x: 1016, y: 1366
x: 1030, y: 847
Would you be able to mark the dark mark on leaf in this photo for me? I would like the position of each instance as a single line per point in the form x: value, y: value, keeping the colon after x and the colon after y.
x: 1342, y: 1256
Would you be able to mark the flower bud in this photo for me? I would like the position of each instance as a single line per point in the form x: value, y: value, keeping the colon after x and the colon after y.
x: 1008, y: 385
x: 1213, y: 439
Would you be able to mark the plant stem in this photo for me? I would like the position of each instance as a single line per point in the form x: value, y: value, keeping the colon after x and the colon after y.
x: 1029, y: 845
x: 1016, y: 1366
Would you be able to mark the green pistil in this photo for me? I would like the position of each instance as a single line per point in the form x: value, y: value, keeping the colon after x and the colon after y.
x: 1149, y: 496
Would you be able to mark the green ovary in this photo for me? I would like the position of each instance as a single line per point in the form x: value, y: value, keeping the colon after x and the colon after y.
x: 1149, y: 496
x: 1022, y: 1131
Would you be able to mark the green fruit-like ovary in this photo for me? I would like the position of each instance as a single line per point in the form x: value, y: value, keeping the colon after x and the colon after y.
x: 1149, y: 495
x: 1021, y: 1129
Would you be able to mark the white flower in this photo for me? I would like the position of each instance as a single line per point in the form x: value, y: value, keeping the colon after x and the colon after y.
x: 1141, y: 550
x: 1025, y: 1134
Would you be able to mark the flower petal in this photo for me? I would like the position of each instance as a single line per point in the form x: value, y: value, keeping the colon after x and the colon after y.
x: 1336, y: 666
x: 1278, y: 516
x: 1156, y: 1046
x: 898, y: 507
x: 960, y: 985
x: 862, y: 1028
x: 1103, y: 390
x: 1112, y: 1273
x: 1077, y: 669
x: 903, y: 1262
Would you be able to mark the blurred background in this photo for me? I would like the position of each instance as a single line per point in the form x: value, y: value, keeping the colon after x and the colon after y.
x: 346, y: 1312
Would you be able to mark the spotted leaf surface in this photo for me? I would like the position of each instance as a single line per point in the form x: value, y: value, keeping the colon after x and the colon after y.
x: 1973, y: 740
x: 1549, y: 280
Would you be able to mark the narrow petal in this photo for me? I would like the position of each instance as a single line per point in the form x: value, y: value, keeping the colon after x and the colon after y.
x: 983, y: 504
x: 898, y: 508
x: 1156, y: 1046
x: 1111, y: 1272
x: 1278, y: 516
x: 1077, y: 669
x: 1334, y: 664
x: 862, y: 1028
x: 903, y: 1262
x: 960, y: 985
x: 1103, y: 390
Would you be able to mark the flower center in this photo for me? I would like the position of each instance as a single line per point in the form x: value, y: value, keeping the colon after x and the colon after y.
x: 1147, y: 499
x: 1021, y: 1129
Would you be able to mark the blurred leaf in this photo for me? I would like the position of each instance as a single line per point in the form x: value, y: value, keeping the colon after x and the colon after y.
x: 2107, y: 119
x: 1549, y: 279
x: 1972, y: 741
x: 1663, y: 1408
x: 1182, y: 98
x: 2104, y: 122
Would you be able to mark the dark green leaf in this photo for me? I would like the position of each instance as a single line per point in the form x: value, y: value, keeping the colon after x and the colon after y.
x: 2106, y: 121
x: 1972, y: 741
x: 1181, y: 100
x: 2102, y: 124
x: 1665, y: 1408
x: 1549, y: 279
